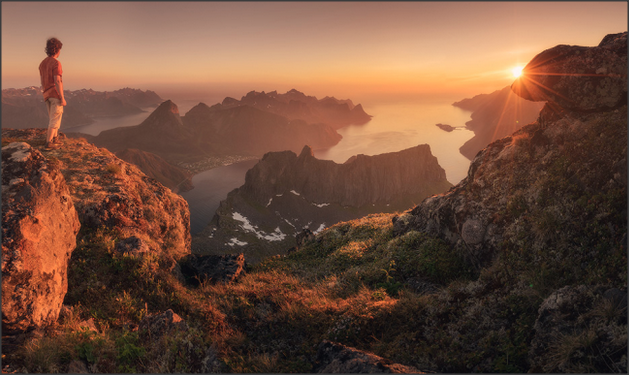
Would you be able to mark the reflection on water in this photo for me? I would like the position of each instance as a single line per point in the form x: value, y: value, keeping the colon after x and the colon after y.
x: 210, y: 188
x: 105, y: 123
x: 396, y: 127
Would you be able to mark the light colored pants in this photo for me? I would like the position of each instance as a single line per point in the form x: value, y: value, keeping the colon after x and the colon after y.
x: 55, y: 110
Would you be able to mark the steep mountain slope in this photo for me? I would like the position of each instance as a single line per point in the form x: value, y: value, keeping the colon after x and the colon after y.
x: 495, y: 116
x: 285, y: 193
x: 176, y: 179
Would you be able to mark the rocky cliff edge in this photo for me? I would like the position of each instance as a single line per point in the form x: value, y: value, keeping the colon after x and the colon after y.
x: 48, y: 194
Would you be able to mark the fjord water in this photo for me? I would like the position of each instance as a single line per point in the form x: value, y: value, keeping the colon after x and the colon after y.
x: 394, y: 126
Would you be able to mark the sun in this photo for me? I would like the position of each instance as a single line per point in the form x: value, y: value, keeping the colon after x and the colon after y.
x: 517, y: 71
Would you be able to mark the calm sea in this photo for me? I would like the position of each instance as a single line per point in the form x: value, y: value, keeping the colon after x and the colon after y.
x: 393, y: 127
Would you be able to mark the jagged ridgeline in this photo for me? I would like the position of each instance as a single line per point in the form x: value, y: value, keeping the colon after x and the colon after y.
x: 25, y: 108
x: 252, y: 126
x: 284, y: 194
x: 521, y: 267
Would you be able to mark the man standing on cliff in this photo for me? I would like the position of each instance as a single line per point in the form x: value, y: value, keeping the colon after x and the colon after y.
x: 52, y: 88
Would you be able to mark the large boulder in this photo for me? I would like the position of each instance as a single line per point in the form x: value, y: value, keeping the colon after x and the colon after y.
x: 335, y: 358
x: 39, y: 228
x: 578, y: 78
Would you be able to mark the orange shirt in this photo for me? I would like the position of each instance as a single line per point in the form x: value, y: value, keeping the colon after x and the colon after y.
x: 48, y: 69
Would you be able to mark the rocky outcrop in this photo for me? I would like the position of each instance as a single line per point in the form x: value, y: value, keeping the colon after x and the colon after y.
x: 174, y: 178
x: 584, y: 79
x: 212, y: 268
x: 285, y: 193
x: 110, y: 193
x: 335, y: 358
x: 512, y: 180
x: 39, y: 228
x: 578, y: 322
x: 495, y: 116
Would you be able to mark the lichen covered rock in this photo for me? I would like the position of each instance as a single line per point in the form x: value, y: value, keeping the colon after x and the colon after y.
x: 39, y: 228
x: 578, y: 78
x: 335, y: 358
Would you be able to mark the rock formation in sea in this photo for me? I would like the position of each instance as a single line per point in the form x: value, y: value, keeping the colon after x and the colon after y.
x: 285, y: 193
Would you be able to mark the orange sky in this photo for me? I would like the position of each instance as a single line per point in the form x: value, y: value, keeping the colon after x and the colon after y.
x: 342, y: 49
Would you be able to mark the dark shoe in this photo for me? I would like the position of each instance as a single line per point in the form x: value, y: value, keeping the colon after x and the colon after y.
x: 52, y: 146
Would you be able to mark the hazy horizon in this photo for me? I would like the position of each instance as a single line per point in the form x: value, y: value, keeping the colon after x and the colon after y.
x: 355, y: 50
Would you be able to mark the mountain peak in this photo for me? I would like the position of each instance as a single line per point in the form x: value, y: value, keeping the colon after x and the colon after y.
x: 579, y: 78
x: 168, y: 106
x: 306, y: 152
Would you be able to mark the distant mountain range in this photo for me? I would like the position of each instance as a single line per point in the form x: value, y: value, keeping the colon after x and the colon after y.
x: 256, y: 124
x: 24, y: 108
x: 296, y: 105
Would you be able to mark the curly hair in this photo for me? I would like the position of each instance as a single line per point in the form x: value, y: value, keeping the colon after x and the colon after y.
x: 53, y: 45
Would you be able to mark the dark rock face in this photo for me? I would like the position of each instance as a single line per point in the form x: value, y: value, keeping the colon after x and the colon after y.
x: 285, y: 193
x: 495, y: 116
x: 578, y: 78
x: 174, y: 178
x: 335, y: 358
x: 39, y: 228
x: 511, y: 176
x: 214, y: 268
x: 359, y: 181
x: 579, y: 321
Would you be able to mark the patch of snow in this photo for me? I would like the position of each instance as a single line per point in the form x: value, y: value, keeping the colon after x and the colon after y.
x: 291, y: 224
x: 270, y: 200
x: 277, y: 235
x: 294, y: 192
x: 320, y: 229
x: 279, y: 195
x: 235, y: 242
x: 321, y: 205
